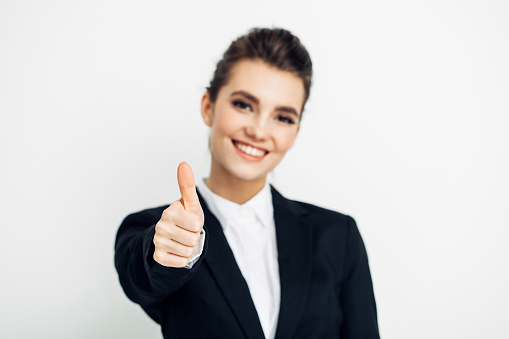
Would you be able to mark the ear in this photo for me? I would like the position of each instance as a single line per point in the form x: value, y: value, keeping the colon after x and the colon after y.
x: 207, y: 108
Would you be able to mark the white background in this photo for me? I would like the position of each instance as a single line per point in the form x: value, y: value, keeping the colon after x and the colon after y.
x: 405, y: 130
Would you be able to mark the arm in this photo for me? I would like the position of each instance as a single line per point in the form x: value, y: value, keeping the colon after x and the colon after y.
x: 154, y: 248
x: 357, y: 298
x: 145, y: 281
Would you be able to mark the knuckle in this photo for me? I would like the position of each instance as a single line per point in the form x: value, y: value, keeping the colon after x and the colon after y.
x: 158, y: 258
x: 161, y: 229
x: 167, y: 214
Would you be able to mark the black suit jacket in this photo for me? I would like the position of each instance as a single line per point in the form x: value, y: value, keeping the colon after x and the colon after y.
x: 326, y: 289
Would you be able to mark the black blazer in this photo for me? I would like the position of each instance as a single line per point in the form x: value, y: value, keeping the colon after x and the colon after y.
x: 326, y: 289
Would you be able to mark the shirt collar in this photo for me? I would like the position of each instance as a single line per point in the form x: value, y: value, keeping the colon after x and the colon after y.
x: 223, y: 209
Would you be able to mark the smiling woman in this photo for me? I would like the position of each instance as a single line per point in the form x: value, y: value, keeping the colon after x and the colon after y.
x: 236, y: 259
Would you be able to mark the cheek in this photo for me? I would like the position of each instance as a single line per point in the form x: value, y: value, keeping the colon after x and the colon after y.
x: 285, y: 140
x: 224, y: 122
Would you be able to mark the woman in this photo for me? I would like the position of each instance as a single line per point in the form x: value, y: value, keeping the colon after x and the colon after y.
x: 236, y: 259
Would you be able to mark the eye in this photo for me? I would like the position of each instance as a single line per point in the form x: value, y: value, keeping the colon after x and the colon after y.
x: 242, y: 105
x: 285, y: 119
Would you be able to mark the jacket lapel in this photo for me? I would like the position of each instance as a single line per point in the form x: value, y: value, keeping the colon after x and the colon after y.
x: 294, y: 244
x: 221, y: 262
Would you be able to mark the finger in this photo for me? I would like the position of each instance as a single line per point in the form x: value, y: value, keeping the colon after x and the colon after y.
x: 183, y: 236
x: 170, y: 260
x: 175, y: 215
x: 187, y: 188
x: 165, y: 230
x: 173, y: 247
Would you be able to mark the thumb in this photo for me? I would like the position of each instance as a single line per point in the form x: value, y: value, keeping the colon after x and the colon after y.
x: 187, y: 188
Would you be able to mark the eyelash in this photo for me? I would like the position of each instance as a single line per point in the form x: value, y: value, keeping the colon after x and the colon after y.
x: 242, y: 105
x: 285, y: 119
x: 245, y: 106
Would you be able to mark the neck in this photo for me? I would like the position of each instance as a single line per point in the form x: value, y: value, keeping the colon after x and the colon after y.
x: 234, y: 189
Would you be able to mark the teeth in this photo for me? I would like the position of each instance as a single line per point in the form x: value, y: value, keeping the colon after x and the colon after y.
x: 255, y: 152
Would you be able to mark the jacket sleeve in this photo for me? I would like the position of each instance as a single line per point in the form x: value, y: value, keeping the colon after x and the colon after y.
x: 357, y: 297
x: 145, y: 281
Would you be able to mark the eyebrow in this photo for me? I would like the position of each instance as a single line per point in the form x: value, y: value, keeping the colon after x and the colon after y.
x: 254, y: 99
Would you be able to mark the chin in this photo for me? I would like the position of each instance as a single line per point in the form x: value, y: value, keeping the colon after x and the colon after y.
x: 248, y: 175
x: 248, y: 172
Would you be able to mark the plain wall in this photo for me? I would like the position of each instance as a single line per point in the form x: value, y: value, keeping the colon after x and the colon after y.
x: 406, y: 130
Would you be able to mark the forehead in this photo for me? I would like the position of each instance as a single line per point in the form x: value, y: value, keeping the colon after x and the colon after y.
x: 268, y: 84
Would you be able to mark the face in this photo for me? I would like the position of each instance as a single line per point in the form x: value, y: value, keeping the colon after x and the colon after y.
x: 254, y: 120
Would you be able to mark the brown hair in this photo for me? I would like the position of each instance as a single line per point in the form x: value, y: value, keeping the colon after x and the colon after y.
x: 276, y: 47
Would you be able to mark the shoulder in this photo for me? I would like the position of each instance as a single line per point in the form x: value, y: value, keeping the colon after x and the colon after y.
x: 312, y: 212
x: 320, y: 213
x: 329, y: 224
x: 335, y: 236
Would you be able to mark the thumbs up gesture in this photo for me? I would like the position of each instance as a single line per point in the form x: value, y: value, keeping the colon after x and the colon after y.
x: 178, y: 231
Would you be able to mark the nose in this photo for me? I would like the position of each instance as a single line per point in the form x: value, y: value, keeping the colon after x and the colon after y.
x: 257, y: 129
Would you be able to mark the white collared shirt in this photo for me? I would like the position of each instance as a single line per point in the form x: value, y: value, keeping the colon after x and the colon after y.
x: 251, y: 233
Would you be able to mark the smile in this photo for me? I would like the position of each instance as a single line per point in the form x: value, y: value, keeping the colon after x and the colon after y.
x: 250, y: 150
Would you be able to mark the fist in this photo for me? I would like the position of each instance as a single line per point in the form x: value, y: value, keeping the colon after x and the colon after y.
x: 178, y: 231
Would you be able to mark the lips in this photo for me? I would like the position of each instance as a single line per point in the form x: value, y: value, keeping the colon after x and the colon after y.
x: 249, y: 149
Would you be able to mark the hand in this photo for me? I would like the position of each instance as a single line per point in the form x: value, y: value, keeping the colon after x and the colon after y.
x: 178, y: 231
